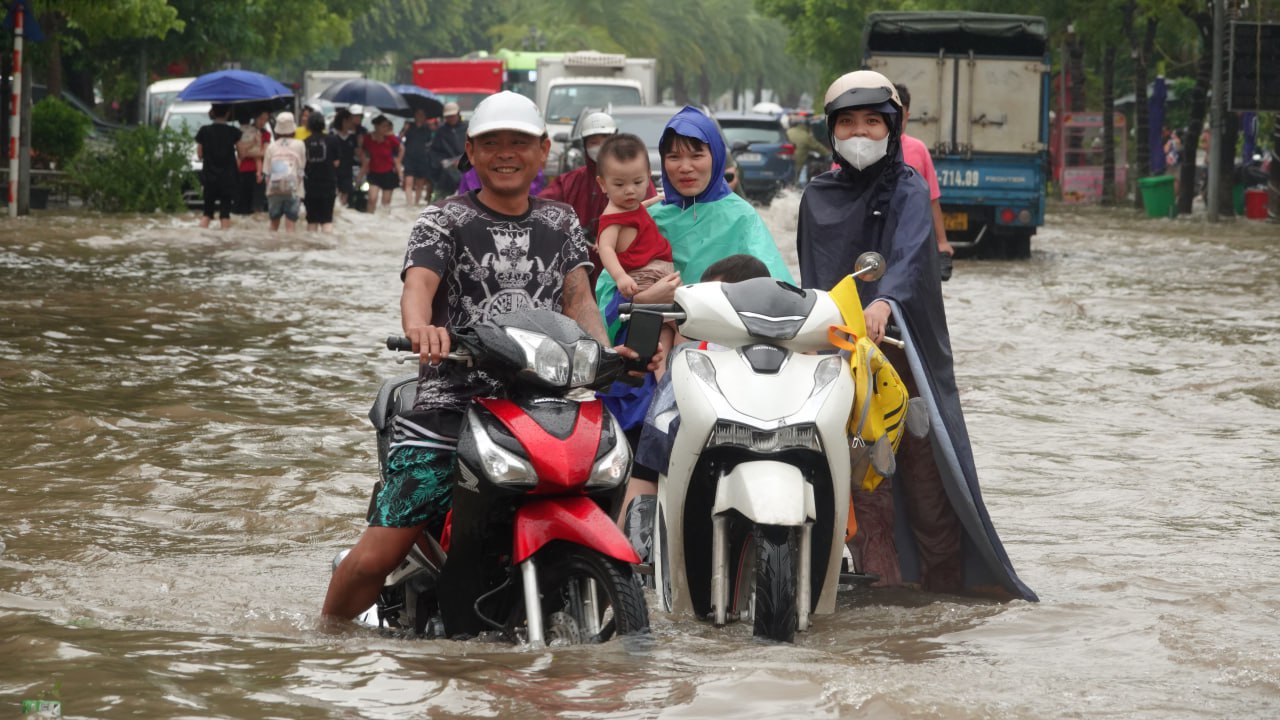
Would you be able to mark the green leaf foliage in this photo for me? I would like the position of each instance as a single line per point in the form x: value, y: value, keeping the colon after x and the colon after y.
x: 58, y: 130
x: 141, y: 170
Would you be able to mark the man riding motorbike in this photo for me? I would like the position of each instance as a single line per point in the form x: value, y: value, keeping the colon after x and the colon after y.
x: 496, y: 249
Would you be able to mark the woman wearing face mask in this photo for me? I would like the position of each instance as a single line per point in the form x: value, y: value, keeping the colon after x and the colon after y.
x: 874, y: 201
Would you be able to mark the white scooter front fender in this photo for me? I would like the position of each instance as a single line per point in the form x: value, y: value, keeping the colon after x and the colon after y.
x: 766, y: 492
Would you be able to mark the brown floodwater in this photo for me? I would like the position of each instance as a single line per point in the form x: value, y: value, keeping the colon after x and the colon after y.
x: 185, y: 449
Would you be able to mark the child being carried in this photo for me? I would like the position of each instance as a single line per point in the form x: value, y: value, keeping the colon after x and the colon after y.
x: 631, y: 247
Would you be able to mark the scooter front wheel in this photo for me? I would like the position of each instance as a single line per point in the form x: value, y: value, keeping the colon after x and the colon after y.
x: 586, y: 597
x: 776, y: 571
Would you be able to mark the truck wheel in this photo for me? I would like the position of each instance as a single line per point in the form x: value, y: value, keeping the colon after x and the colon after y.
x: 777, y: 560
x: 1017, y: 245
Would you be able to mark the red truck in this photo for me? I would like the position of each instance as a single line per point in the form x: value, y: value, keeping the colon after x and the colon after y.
x: 465, y: 82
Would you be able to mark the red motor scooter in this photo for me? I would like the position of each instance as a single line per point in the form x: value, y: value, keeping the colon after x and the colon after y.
x: 529, y: 551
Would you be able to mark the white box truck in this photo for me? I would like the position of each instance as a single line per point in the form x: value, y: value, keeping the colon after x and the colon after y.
x: 587, y: 79
x: 979, y: 87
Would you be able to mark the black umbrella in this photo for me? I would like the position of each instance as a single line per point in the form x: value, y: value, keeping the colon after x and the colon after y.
x: 370, y: 93
x: 420, y: 97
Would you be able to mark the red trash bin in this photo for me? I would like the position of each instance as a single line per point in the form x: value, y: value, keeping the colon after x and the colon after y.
x: 1255, y: 204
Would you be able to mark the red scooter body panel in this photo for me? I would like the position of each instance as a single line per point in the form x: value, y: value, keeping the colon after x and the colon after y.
x: 575, y: 519
x: 561, y: 465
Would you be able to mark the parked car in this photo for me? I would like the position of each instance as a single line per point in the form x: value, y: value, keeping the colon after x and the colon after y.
x: 645, y: 121
x: 160, y: 95
x: 766, y: 157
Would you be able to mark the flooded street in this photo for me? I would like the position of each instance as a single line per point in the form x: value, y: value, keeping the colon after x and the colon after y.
x: 186, y: 449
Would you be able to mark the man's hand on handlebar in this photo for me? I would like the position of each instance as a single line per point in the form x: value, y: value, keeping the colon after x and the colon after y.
x: 877, y: 318
x: 430, y: 342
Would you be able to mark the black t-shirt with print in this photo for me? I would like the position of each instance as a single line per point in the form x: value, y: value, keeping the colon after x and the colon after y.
x: 489, y: 264
x: 322, y: 151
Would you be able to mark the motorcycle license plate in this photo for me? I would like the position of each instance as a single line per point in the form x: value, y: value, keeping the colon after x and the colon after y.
x: 750, y: 157
x: 955, y: 221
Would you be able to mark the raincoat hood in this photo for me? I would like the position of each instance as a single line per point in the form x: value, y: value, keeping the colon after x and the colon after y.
x: 693, y: 123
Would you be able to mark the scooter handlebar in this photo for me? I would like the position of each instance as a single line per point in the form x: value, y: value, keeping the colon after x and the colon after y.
x: 627, y: 308
x: 399, y: 343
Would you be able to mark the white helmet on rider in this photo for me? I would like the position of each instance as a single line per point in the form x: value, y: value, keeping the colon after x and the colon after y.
x: 863, y: 89
x: 506, y: 111
x: 598, y: 123
x: 866, y: 90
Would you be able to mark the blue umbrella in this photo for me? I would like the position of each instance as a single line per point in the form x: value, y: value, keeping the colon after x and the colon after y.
x: 420, y: 97
x: 232, y: 86
x: 361, y: 91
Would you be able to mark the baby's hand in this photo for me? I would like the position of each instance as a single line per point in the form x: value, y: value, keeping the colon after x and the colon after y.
x: 628, y: 287
x: 655, y: 199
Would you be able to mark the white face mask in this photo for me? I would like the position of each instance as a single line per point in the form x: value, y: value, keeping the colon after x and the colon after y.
x: 862, y: 152
x: 593, y: 153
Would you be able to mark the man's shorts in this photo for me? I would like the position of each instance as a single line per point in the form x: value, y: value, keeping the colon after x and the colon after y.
x: 283, y: 205
x: 417, y: 488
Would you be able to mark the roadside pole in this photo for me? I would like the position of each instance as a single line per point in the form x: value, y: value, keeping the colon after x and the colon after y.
x: 1215, y: 111
x: 15, y: 109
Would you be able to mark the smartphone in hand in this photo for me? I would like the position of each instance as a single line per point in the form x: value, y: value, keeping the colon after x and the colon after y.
x: 643, y: 331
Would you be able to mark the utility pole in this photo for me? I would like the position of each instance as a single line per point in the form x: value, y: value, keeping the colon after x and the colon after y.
x: 1215, y: 110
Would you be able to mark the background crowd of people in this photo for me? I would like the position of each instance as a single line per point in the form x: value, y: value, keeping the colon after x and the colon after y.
x: 292, y: 168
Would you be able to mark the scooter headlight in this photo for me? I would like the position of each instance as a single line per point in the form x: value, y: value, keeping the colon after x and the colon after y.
x: 586, y: 357
x: 543, y: 356
x: 791, y: 437
x: 610, y: 470
x: 500, y: 465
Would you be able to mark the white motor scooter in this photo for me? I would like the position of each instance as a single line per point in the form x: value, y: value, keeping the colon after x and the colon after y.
x: 752, y: 510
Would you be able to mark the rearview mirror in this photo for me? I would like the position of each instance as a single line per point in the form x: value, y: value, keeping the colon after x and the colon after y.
x: 869, y: 267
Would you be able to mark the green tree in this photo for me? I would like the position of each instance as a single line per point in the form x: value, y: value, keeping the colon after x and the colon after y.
x: 70, y: 25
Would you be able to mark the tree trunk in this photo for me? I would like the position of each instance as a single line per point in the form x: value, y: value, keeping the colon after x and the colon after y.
x: 140, y: 108
x: 1227, y: 163
x: 1075, y: 87
x: 1109, y: 125
x: 1141, y: 115
x: 704, y: 88
x: 52, y: 25
x: 1199, y: 101
x: 679, y: 90
x: 759, y: 88
x: 1075, y: 53
x: 1273, y: 188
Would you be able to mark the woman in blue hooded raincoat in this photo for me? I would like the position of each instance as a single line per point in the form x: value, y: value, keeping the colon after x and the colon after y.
x: 927, y: 525
x: 705, y: 222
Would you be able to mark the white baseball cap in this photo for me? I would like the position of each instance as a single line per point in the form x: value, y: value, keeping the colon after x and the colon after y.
x: 506, y: 111
x: 355, y: 109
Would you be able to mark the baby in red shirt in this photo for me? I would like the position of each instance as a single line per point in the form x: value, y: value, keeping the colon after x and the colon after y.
x: 631, y: 247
